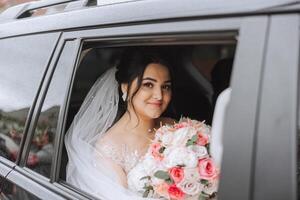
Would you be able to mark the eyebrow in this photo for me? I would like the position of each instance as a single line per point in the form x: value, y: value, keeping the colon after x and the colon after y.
x: 152, y: 79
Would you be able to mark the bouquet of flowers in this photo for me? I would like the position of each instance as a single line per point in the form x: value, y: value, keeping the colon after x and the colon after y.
x: 177, y: 164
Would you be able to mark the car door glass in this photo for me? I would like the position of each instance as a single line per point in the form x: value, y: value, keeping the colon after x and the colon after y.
x: 23, y: 61
x: 12, y: 191
x: 42, y: 145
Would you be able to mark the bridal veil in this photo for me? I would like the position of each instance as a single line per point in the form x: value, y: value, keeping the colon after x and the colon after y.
x: 86, y: 169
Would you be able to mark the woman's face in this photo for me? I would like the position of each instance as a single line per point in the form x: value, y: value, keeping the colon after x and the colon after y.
x: 154, y: 95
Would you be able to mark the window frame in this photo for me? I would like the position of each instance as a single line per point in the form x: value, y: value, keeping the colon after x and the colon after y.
x: 239, y: 147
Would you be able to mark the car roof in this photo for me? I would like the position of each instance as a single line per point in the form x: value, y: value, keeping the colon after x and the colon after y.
x: 120, y: 11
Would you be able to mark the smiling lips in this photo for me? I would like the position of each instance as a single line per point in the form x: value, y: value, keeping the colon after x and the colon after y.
x: 158, y: 103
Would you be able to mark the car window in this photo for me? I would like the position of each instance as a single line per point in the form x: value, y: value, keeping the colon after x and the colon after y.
x: 9, y: 190
x: 42, y: 145
x: 23, y: 61
x: 201, y: 72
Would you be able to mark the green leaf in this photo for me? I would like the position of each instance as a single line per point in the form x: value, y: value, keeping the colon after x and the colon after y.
x: 207, y: 146
x: 200, y: 197
x: 148, y: 187
x: 146, y: 193
x: 145, y: 177
x: 204, y: 182
x: 203, y: 196
x: 162, y: 175
x: 189, y: 143
x: 192, y: 141
x: 162, y: 149
x: 169, y: 181
x: 194, y: 138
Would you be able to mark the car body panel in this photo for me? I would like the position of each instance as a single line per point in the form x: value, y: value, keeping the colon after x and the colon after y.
x: 240, y: 121
x: 276, y: 138
x: 147, y: 11
x: 251, y: 132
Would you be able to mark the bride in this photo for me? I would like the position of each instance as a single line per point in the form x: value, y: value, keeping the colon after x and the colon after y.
x: 109, y: 135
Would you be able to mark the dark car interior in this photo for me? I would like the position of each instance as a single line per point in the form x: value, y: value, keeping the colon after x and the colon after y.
x: 191, y: 95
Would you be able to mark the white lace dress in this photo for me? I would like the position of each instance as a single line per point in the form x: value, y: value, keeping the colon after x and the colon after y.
x: 121, y: 155
x: 130, y: 161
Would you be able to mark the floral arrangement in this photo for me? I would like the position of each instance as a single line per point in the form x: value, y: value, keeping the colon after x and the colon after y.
x: 177, y: 164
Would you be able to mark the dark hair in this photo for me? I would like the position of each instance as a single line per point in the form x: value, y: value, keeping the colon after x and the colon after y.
x: 132, y: 65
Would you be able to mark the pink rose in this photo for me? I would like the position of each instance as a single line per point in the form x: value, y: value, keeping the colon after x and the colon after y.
x: 154, y: 148
x: 181, y: 125
x: 177, y: 174
x: 175, y: 192
x: 202, y: 139
x: 207, y: 169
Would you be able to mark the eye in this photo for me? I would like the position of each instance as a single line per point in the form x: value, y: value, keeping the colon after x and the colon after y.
x: 166, y: 87
x: 148, y: 85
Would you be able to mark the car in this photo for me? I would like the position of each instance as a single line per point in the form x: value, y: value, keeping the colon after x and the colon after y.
x: 51, y: 53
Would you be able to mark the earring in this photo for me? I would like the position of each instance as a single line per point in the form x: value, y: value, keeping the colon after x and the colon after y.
x: 124, y: 96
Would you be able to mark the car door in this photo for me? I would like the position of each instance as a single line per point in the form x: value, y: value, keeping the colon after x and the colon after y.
x: 275, y: 153
x: 271, y: 158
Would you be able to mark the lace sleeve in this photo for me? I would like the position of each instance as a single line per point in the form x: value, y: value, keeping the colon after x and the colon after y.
x: 122, y: 155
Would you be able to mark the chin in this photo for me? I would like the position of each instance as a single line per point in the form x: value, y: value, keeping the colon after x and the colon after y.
x: 155, y: 115
x: 152, y: 115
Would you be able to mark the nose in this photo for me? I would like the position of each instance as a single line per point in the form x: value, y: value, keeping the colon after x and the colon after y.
x: 157, y: 93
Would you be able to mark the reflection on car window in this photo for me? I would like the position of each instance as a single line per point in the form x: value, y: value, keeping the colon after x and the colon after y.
x: 42, y: 146
x: 21, y: 71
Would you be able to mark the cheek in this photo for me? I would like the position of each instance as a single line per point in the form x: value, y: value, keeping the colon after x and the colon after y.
x: 143, y: 95
x: 140, y: 98
x: 167, y: 98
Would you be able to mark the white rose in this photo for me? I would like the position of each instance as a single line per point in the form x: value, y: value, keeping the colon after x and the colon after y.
x: 191, y: 174
x: 190, y: 188
x: 134, y: 178
x: 167, y: 138
x: 181, y: 136
x: 180, y: 156
x: 149, y: 165
x: 160, y: 132
x: 200, y: 151
x: 211, y: 187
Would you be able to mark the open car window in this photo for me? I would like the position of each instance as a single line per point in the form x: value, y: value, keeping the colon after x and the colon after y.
x: 201, y: 73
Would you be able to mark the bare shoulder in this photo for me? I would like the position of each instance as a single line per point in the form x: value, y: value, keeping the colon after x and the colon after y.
x: 109, y: 138
x: 167, y: 121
